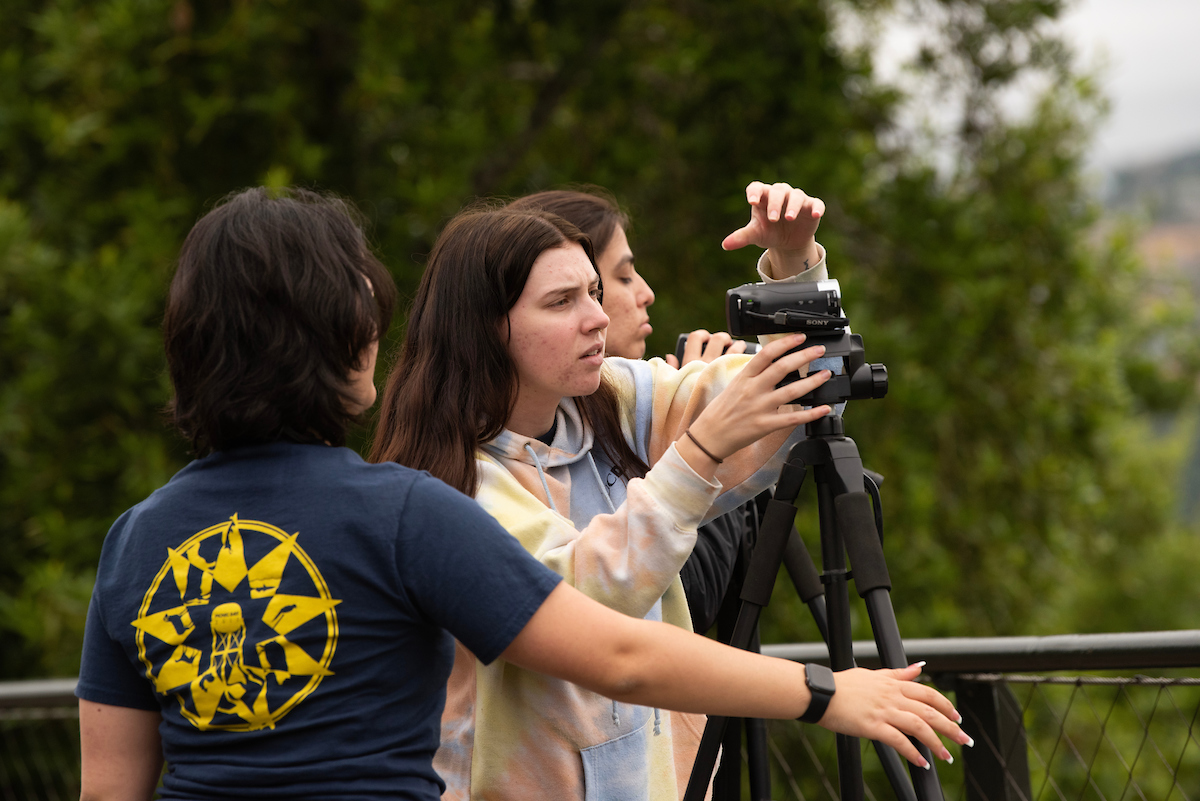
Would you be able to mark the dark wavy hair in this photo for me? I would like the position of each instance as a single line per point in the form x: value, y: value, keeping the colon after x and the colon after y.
x: 275, y: 299
x: 592, y: 209
x: 454, y: 385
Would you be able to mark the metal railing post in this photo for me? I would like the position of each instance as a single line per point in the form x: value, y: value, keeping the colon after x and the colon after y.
x: 997, y: 768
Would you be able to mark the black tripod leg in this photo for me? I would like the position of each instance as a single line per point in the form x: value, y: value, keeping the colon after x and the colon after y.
x: 727, y: 786
x: 803, y: 574
x: 891, y: 655
x: 756, y: 746
x: 856, y: 521
x: 756, y: 592
x: 840, y: 479
x: 760, y: 766
x: 841, y: 646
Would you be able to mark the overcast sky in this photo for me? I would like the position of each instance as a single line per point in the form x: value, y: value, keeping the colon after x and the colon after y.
x: 1147, y: 56
x: 1152, y: 52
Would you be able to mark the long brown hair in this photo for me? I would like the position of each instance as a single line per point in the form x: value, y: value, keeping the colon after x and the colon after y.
x: 592, y: 209
x: 454, y: 385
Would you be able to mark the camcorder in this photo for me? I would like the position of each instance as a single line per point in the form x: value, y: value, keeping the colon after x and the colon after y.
x: 816, y: 310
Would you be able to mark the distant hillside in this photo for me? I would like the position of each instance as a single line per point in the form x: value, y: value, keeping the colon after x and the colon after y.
x: 1166, y: 195
x: 1167, y: 192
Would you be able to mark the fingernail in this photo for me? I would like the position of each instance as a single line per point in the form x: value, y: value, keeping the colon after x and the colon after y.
x: 922, y: 663
x: 949, y: 760
x: 774, y: 216
x: 926, y: 764
x: 970, y: 742
x: 820, y: 348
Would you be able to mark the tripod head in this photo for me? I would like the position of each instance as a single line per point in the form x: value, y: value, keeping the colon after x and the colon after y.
x: 830, y: 425
x: 816, y: 309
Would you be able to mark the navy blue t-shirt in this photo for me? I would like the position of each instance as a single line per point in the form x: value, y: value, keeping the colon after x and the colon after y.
x: 286, y: 608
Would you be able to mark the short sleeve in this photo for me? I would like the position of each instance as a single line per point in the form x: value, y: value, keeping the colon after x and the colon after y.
x: 464, y: 572
x: 105, y: 674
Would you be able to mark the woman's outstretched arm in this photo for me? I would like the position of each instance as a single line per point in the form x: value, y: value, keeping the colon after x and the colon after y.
x: 574, y: 638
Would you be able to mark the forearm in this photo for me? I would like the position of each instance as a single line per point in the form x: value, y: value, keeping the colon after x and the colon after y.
x: 652, y: 664
x: 662, y: 666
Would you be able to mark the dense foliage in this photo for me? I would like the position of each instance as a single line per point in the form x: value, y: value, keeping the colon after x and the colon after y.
x: 1028, y: 490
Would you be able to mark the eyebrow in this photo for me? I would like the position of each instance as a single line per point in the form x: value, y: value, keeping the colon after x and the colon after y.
x: 566, y: 289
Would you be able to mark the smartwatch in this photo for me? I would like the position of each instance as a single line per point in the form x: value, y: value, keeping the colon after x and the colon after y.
x: 820, y: 684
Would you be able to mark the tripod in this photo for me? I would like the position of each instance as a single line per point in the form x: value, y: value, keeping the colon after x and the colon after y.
x: 848, y: 526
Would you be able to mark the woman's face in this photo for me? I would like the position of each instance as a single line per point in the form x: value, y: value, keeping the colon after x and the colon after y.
x: 556, y: 333
x: 626, y: 296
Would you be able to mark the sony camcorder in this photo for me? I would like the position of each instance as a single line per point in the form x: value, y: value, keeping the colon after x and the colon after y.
x: 815, y: 309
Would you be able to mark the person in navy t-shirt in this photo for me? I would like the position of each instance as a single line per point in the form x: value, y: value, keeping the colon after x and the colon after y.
x: 277, y: 620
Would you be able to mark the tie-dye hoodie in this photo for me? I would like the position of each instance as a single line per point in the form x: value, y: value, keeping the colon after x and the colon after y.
x: 513, y: 735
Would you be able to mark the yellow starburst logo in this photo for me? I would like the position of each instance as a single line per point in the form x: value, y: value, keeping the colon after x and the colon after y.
x: 237, y: 653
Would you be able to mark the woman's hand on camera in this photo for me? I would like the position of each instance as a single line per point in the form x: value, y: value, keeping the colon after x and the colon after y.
x: 885, y: 705
x: 784, y: 220
x: 749, y: 408
x: 705, y: 347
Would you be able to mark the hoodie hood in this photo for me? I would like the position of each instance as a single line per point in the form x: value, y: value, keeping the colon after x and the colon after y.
x: 572, y: 441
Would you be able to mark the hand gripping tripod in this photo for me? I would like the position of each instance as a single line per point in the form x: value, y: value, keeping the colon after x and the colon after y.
x: 848, y: 526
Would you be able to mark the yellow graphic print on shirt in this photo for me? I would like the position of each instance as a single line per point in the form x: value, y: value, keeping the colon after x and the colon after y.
x: 245, y: 652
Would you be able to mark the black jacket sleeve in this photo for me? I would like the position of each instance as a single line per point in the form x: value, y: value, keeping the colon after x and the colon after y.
x: 707, y: 571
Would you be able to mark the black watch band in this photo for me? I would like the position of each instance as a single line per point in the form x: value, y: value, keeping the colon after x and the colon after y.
x: 822, y: 687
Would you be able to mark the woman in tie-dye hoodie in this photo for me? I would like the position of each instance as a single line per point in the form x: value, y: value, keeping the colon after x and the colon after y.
x: 602, y: 468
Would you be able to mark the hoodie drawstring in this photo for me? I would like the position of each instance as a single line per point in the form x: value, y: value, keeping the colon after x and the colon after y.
x: 600, y: 482
x: 542, y: 476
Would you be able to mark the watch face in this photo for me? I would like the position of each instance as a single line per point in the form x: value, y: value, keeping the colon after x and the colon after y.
x: 820, y: 678
x: 820, y: 683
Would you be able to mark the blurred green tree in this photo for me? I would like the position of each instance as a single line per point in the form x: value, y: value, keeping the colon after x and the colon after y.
x: 1025, y: 362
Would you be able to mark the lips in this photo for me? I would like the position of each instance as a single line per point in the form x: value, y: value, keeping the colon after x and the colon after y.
x: 594, y: 353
